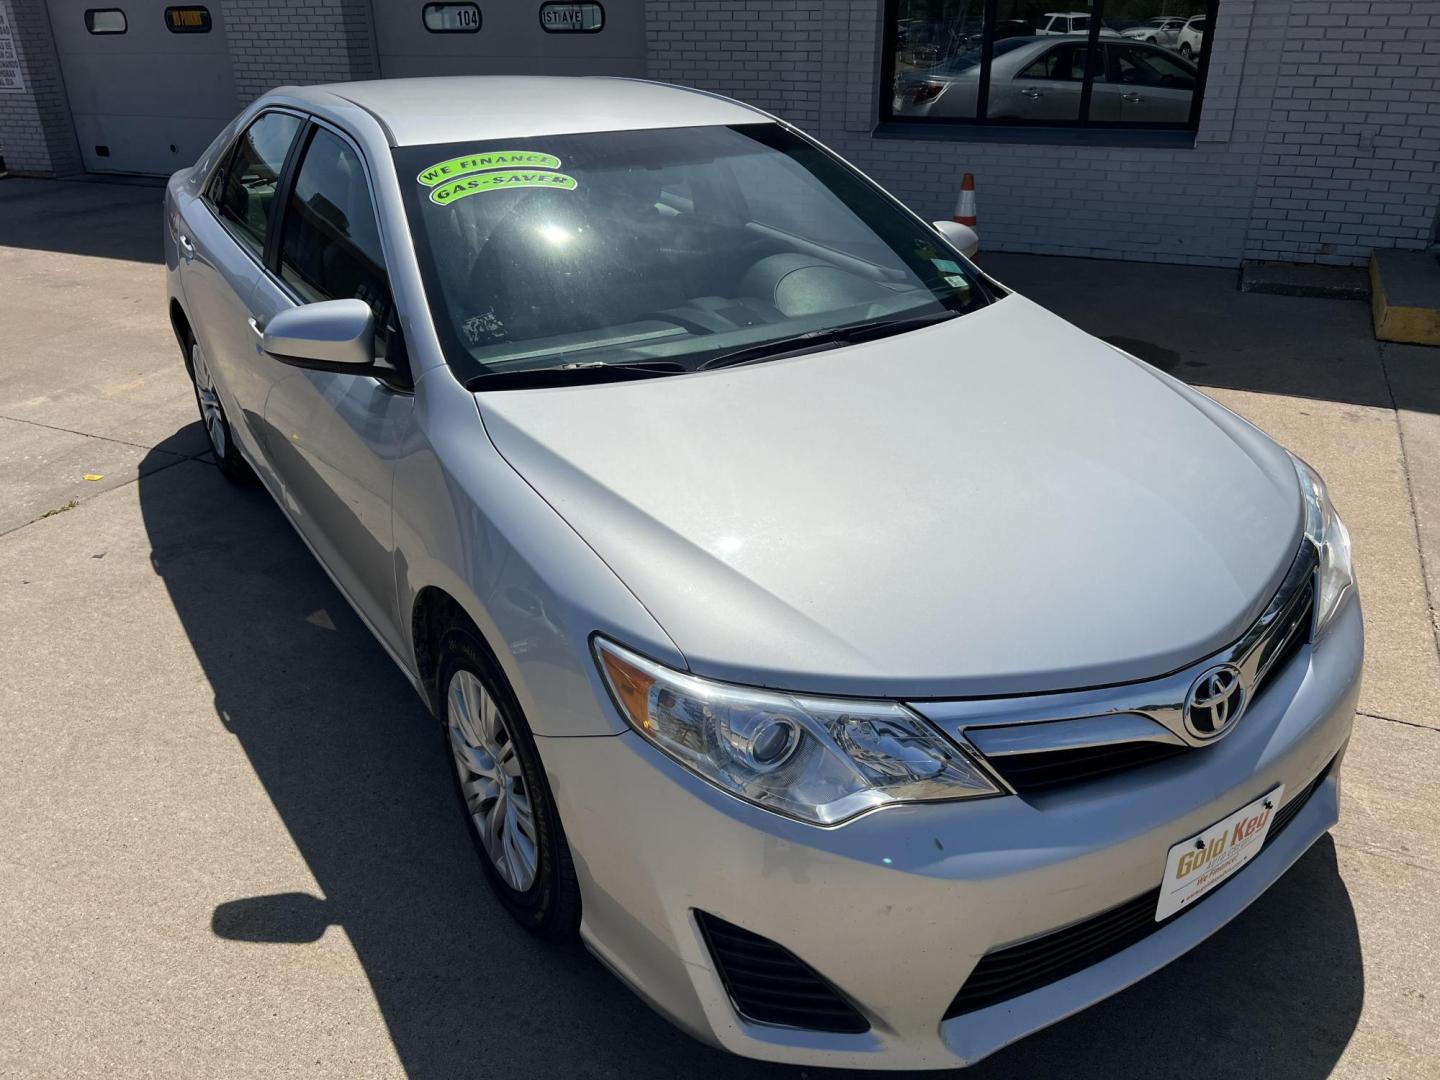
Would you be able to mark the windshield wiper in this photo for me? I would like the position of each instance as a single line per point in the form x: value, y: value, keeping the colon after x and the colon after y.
x: 816, y: 339
x: 570, y: 375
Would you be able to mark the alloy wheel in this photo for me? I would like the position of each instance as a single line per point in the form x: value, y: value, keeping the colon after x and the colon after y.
x: 492, y: 781
x: 210, y: 411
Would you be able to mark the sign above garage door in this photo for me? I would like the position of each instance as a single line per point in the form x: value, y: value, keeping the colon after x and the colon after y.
x: 572, y: 18
x: 510, y: 37
x: 149, y: 82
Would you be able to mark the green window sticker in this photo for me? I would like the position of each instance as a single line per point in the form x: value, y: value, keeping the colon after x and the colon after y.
x: 946, y: 266
x: 466, y: 186
x: 495, y: 159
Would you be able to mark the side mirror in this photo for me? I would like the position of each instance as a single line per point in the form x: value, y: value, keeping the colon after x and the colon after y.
x: 333, y: 335
x: 963, y: 237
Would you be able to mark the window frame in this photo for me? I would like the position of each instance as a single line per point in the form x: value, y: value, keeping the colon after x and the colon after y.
x: 976, y: 125
x: 394, y: 369
x: 204, y: 28
x: 479, y: 17
x: 90, y: 14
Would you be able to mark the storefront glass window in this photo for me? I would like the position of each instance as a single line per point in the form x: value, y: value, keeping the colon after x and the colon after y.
x: 1098, y: 63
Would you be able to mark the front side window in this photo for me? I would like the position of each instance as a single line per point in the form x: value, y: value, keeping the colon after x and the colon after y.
x: 994, y: 62
x: 666, y: 250
x: 330, y: 242
x: 244, y: 188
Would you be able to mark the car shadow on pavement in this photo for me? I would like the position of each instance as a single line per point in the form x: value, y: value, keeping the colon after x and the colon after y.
x: 112, y: 218
x: 356, y: 769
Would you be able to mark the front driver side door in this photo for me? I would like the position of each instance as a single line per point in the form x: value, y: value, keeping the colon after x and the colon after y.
x: 333, y: 438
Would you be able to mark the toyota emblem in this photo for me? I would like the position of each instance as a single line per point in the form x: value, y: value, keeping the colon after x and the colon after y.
x: 1215, y: 702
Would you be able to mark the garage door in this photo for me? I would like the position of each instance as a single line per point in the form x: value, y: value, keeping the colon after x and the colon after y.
x: 510, y: 37
x: 149, y: 83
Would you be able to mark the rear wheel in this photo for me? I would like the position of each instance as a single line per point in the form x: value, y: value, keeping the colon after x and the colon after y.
x: 1185, y: 50
x: 212, y: 415
x: 504, y: 793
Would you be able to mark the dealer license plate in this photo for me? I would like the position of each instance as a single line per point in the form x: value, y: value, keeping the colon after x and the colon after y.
x: 1197, y: 865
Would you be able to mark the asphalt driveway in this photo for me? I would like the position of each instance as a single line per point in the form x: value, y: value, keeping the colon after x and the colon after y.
x: 228, y: 847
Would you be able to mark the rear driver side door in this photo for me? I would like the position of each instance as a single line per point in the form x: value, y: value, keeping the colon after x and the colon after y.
x: 333, y: 438
x: 222, y: 242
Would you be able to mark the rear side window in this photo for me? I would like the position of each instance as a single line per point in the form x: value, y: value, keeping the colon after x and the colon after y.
x: 1064, y: 63
x: 246, y: 185
x: 330, y: 242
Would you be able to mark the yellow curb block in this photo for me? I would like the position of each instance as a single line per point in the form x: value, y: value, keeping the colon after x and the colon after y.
x: 1409, y: 310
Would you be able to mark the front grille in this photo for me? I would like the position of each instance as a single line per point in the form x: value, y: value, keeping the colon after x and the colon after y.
x: 1039, y: 771
x: 1018, y: 969
x: 1044, y: 769
x: 769, y: 984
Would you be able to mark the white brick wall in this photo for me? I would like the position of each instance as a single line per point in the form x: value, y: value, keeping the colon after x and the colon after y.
x: 276, y: 43
x: 35, y: 130
x: 1351, y: 159
x: 1280, y: 169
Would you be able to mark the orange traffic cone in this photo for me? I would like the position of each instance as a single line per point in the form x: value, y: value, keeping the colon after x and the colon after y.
x: 965, y: 205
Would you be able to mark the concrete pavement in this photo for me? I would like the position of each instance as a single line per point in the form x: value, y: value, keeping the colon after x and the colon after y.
x: 229, y: 848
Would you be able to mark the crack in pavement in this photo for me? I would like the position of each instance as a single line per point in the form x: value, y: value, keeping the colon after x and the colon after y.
x: 88, y: 435
x: 1395, y: 720
x: 1430, y: 599
x: 180, y: 459
x: 1389, y: 854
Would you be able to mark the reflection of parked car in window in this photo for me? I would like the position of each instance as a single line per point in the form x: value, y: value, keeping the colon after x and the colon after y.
x: 1042, y: 78
x: 1070, y: 22
x: 1191, y: 39
x: 974, y: 32
x: 1157, y: 31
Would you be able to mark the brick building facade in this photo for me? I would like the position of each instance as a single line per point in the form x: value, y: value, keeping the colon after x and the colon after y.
x: 1318, y: 138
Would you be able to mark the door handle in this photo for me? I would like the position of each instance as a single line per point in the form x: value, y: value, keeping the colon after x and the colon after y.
x: 1131, y: 97
x: 187, y: 249
x: 1032, y: 94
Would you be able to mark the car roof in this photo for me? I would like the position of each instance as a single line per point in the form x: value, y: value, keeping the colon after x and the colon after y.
x: 473, y: 107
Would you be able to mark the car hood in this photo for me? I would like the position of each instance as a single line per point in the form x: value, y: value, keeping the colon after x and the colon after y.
x: 996, y: 504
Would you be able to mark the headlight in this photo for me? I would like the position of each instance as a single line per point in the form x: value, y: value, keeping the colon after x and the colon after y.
x: 1323, y: 528
x: 818, y: 759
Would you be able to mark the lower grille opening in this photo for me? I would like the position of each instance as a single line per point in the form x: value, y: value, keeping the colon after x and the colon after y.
x: 769, y: 984
x: 1007, y: 973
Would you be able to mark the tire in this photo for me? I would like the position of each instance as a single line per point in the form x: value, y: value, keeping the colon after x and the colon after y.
x: 497, y: 775
x: 1185, y: 50
x: 212, y: 415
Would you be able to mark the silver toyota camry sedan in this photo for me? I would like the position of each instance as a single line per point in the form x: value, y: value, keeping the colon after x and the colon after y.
x: 868, y: 665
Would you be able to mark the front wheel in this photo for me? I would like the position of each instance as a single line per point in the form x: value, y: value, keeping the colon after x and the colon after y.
x: 514, y: 824
x: 1185, y: 51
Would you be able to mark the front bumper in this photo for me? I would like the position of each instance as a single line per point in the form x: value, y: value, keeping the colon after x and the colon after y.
x: 895, y: 908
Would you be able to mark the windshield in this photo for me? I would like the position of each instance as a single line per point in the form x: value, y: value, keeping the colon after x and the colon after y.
x: 666, y: 248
